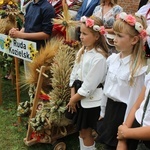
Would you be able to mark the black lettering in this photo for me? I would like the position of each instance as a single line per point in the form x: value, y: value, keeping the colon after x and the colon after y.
x: 19, y: 44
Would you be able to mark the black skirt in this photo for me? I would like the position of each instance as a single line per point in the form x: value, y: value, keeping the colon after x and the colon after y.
x: 84, y: 117
x: 108, y: 127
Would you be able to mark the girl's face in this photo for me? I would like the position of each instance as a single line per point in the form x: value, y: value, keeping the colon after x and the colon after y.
x: 124, y: 43
x: 88, y: 39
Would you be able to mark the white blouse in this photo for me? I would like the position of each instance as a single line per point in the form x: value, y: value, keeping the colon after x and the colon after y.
x: 139, y: 112
x: 117, y: 85
x: 91, y: 70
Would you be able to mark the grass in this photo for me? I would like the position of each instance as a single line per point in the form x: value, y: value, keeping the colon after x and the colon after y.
x: 12, y: 132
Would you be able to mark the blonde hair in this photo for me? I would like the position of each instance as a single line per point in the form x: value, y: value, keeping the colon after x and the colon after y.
x: 99, y: 45
x: 112, y: 2
x: 138, y: 59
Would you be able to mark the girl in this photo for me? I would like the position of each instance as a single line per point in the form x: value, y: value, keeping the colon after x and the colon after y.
x: 86, y: 80
x: 125, y: 76
x: 132, y: 129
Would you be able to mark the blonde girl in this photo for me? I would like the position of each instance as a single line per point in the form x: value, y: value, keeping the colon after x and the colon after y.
x: 125, y: 76
x: 86, y: 80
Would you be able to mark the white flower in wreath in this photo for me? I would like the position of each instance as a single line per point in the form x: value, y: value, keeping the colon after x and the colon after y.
x: 96, y: 28
x: 122, y: 15
x: 83, y: 19
x: 139, y: 27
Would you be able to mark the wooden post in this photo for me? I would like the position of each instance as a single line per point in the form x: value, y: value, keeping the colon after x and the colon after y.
x: 65, y: 7
x: 17, y: 80
x: 17, y: 83
x: 35, y: 102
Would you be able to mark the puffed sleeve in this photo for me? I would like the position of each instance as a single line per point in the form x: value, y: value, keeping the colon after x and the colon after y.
x: 94, y: 77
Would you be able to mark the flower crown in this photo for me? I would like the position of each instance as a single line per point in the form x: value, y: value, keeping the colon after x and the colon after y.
x: 90, y: 23
x: 131, y: 20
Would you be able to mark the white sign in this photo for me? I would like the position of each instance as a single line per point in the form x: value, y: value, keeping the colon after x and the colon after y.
x: 20, y: 48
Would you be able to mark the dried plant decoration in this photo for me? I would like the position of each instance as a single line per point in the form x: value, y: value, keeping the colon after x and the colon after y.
x: 43, y: 58
x: 10, y: 16
x: 65, y: 21
x: 60, y: 94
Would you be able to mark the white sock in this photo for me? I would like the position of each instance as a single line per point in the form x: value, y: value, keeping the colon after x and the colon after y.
x: 81, y: 143
x: 92, y: 147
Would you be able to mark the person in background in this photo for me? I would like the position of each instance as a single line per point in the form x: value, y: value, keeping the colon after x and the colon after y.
x: 125, y: 76
x: 107, y: 11
x: 134, y: 129
x: 142, y: 2
x: 145, y: 11
x: 86, y: 80
x: 37, y: 25
x: 87, y: 8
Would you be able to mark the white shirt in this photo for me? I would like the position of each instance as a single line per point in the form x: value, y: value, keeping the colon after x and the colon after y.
x: 117, y: 85
x: 143, y: 11
x: 92, y: 71
x: 139, y: 112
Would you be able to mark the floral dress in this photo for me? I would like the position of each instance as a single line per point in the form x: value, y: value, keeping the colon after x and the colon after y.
x: 109, y: 17
x: 108, y: 21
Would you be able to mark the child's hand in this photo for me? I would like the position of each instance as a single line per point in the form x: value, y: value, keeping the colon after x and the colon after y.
x: 121, y: 131
x: 72, y: 106
x: 100, y: 118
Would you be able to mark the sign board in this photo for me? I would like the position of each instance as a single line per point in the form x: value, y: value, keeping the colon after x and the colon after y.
x: 19, y: 48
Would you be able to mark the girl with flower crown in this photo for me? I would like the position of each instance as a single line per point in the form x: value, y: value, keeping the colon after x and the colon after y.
x: 86, y: 80
x: 125, y: 76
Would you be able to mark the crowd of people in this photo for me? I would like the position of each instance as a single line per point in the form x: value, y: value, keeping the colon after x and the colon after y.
x: 109, y: 81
